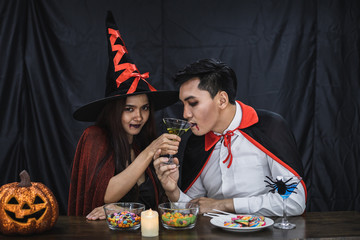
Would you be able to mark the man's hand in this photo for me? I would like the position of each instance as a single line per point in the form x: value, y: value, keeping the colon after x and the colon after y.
x: 208, y: 204
x: 168, y: 175
x: 96, y: 214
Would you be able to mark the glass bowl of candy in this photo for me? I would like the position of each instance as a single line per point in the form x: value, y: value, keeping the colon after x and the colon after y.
x: 123, y: 215
x: 178, y: 215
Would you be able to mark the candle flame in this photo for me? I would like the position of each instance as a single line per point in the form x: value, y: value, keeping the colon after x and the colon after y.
x: 149, y: 212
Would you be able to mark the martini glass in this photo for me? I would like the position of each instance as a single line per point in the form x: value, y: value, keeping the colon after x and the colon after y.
x: 284, y: 186
x: 177, y: 127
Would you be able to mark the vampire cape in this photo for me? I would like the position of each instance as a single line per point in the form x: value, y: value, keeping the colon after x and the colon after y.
x: 268, y: 131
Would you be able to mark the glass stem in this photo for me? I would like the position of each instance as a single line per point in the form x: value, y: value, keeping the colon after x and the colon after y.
x: 170, y: 161
x: 284, y: 220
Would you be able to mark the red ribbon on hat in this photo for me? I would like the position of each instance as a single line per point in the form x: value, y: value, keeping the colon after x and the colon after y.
x: 130, y: 69
x: 121, y: 49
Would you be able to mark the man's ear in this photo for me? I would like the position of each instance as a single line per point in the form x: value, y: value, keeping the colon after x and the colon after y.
x: 223, y: 99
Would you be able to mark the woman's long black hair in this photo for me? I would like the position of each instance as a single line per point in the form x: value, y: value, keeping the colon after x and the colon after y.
x: 110, y: 121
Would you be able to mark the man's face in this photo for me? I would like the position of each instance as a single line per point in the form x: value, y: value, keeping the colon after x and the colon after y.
x: 199, y: 108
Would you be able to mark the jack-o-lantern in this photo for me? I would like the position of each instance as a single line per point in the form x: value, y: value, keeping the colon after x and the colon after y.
x: 27, y: 207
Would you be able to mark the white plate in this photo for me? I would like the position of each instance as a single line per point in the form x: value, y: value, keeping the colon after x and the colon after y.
x: 219, y: 222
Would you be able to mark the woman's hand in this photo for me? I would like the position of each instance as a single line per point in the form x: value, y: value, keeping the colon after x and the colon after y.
x: 96, y: 214
x: 167, y: 143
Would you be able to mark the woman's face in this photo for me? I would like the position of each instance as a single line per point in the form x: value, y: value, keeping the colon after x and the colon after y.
x: 136, y: 113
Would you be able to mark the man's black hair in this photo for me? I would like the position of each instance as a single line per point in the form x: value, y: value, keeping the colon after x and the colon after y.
x: 214, y: 76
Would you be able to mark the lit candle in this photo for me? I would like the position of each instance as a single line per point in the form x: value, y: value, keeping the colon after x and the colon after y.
x: 149, y: 223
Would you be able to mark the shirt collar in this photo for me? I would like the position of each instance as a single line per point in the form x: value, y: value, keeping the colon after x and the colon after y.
x: 236, y: 120
x: 239, y: 121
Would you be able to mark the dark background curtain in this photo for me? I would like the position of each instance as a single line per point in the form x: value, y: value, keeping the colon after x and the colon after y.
x: 299, y: 58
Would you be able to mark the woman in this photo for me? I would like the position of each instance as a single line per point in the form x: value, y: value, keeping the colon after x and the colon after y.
x: 113, y: 158
x: 120, y: 143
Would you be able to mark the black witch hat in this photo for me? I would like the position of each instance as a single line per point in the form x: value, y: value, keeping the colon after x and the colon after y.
x: 123, y: 79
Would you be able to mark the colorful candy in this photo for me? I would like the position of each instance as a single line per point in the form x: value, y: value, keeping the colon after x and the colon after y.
x: 246, y: 221
x: 124, y: 219
x: 178, y: 219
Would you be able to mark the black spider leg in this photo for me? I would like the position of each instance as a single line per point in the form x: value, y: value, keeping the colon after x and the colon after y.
x: 269, y: 179
x: 272, y: 185
x: 293, y: 188
x: 288, y: 181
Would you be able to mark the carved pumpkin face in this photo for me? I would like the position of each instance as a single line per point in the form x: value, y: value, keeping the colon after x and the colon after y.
x: 27, y: 209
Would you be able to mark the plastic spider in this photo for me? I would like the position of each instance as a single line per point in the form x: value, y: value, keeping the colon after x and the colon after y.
x: 281, y: 186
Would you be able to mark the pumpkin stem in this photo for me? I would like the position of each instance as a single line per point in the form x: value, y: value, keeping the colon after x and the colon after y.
x: 25, y: 179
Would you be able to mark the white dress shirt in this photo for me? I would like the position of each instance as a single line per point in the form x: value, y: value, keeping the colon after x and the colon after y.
x: 244, y: 180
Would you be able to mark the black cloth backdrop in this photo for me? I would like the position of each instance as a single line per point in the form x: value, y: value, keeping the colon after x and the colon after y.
x: 298, y: 58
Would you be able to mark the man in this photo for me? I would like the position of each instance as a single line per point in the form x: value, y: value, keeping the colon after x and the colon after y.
x: 232, y: 150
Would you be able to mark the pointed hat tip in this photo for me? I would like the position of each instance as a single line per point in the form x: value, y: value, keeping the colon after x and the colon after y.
x: 110, y: 17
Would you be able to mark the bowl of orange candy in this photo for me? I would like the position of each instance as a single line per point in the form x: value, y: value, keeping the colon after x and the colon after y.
x: 178, y: 215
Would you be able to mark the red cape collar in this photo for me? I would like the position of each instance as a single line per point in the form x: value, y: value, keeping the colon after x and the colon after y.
x: 249, y: 117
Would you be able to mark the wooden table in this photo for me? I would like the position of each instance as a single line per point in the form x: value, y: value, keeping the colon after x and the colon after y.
x: 342, y: 225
